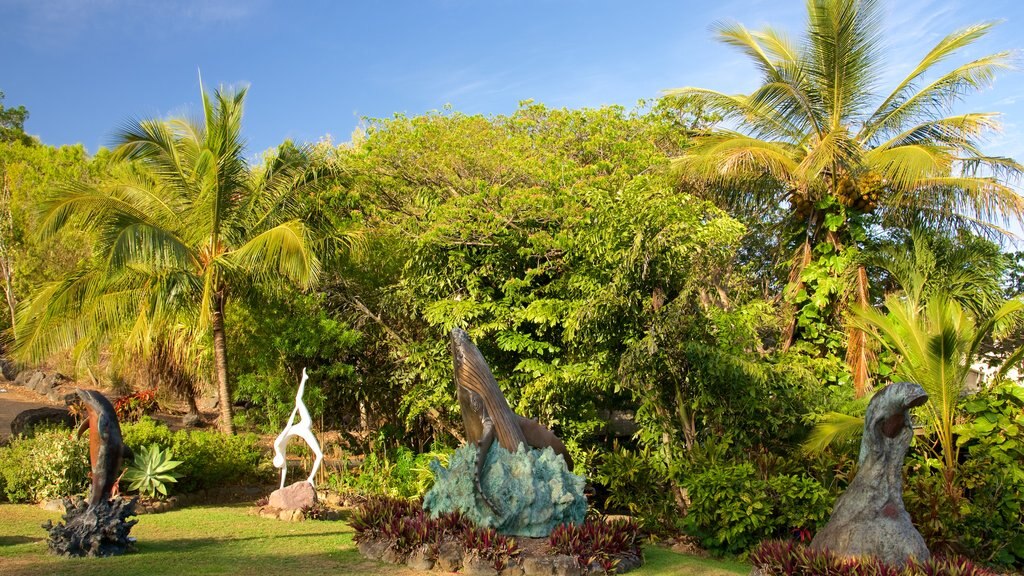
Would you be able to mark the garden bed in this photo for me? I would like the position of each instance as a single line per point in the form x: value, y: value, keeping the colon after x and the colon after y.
x: 401, y: 532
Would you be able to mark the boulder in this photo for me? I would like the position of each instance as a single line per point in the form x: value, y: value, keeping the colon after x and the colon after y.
x: 563, y: 565
x: 26, y: 421
x: 294, y: 497
x: 420, y: 559
x: 449, y: 556
x: 538, y: 566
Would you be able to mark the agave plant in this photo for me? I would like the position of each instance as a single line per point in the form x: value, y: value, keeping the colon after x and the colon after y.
x: 150, y: 471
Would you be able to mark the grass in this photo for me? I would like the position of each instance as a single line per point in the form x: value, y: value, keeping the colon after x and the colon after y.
x: 226, y: 540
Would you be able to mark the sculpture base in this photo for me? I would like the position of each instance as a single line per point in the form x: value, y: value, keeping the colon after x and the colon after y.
x: 100, y: 530
x: 293, y: 497
x: 533, y: 490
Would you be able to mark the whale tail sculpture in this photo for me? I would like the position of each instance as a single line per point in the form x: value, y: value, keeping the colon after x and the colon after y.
x: 303, y: 429
x: 485, y: 413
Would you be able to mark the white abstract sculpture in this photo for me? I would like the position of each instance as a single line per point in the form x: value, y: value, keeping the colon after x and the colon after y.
x: 303, y: 429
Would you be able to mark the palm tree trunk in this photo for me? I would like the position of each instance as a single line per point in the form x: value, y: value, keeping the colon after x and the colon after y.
x: 800, y: 261
x: 858, y: 354
x: 220, y: 355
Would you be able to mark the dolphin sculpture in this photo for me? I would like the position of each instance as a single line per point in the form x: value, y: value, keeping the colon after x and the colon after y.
x: 486, y: 414
x: 106, y: 449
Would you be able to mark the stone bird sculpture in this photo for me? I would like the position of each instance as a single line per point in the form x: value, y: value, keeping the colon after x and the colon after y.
x: 869, y: 518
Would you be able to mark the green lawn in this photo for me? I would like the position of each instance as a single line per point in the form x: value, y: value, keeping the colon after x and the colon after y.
x: 225, y: 540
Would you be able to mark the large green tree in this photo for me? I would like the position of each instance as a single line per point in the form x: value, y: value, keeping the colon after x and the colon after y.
x: 820, y: 136
x: 12, y: 124
x: 182, y: 224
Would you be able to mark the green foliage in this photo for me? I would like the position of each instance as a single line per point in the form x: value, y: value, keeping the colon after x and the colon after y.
x: 638, y: 484
x: 731, y: 508
x: 400, y: 473
x: 937, y: 341
x: 283, y: 332
x: 209, y: 459
x: 980, y: 514
x: 151, y: 471
x: 546, y: 233
x: 12, y: 124
x: 51, y: 464
x: 182, y: 218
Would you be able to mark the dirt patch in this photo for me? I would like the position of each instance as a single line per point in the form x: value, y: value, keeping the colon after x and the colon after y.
x: 14, y: 400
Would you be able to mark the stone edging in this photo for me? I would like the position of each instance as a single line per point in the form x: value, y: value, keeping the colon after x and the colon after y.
x: 453, y: 557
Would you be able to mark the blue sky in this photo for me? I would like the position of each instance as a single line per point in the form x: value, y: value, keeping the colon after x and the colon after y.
x: 84, y: 67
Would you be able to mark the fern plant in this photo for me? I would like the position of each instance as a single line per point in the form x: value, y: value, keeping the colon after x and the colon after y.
x: 150, y: 471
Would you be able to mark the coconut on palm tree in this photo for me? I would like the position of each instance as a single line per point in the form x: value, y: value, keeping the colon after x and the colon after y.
x: 183, y: 224
x: 820, y: 138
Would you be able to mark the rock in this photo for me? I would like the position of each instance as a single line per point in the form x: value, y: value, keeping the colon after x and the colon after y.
x: 628, y: 563
x: 474, y: 565
x: 392, y: 556
x: 538, y: 566
x: 449, y: 556
x: 565, y: 566
x: 207, y: 404
x: 513, y: 570
x: 27, y: 420
x: 869, y: 518
x: 333, y: 499
x: 420, y: 559
x: 8, y: 369
x: 373, y: 549
x: 268, y: 512
x: 298, y: 515
x: 190, y: 420
x: 53, y: 505
x: 23, y: 378
x: 294, y: 497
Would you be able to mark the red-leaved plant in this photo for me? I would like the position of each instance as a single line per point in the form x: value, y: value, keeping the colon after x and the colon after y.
x: 597, y: 541
x: 789, y: 558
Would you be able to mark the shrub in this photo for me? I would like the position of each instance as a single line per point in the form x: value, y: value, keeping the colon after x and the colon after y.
x: 731, y: 509
x: 51, y: 464
x: 150, y: 472
x: 498, y: 549
x: 597, y: 541
x: 982, y: 516
x: 401, y: 474
x: 136, y: 405
x: 209, y: 458
x: 376, y: 517
x: 638, y: 485
x: 788, y: 558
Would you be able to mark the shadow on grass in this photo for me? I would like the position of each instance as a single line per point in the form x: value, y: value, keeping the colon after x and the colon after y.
x: 15, y: 540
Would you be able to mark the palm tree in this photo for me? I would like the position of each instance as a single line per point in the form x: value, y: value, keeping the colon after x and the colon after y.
x: 815, y: 137
x: 936, y: 343
x: 183, y: 223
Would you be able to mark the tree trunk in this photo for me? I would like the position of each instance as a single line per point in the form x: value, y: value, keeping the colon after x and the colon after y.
x: 6, y: 263
x: 220, y: 355
x: 858, y: 353
x: 800, y: 261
